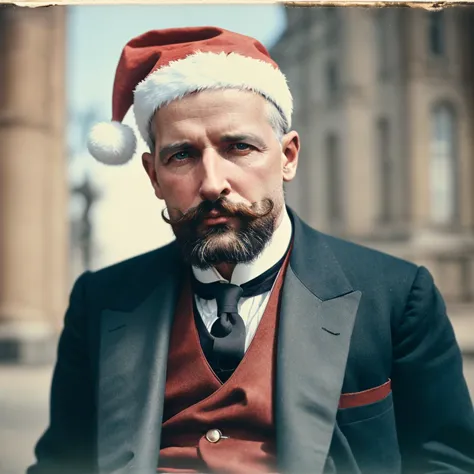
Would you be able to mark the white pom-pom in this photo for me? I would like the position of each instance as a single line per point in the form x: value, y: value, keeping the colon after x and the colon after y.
x: 112, y: 143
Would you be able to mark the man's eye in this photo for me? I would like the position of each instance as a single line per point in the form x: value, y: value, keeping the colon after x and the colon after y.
x: 241, y: 146
x: 181, y: 155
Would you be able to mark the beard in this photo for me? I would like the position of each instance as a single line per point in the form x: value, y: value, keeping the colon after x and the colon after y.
x: 206, y: 246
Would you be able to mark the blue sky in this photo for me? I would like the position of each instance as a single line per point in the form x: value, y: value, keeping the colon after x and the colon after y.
x: 127, y: 218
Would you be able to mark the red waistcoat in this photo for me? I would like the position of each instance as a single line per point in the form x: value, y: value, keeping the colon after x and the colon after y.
x: 197, y: 403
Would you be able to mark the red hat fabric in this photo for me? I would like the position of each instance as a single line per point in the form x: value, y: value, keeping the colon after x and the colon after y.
x: 160, y: 66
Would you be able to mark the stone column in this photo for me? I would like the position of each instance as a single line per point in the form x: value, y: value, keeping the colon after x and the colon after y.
x: 33, y: 184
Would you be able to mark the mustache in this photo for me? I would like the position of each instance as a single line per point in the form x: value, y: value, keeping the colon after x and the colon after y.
x: 225, y: 208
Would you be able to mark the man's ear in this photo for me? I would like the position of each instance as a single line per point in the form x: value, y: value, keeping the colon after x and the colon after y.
x: 148, y: 162
x: 289, y: 153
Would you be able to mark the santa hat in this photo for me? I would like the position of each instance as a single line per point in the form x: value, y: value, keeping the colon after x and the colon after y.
x: 163, y: 65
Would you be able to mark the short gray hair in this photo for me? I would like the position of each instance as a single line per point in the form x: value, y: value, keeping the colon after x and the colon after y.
x: 275, y: 117
x: 277, y: 120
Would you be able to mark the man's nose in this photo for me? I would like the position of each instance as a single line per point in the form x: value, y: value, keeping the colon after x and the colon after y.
x: 214, y: 183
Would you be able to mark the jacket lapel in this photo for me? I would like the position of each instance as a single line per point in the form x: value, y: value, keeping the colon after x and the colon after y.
x: 317, y: 316
x: 133, y: 359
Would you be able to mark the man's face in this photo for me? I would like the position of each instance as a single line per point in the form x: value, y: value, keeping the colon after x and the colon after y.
x: 220, y: 168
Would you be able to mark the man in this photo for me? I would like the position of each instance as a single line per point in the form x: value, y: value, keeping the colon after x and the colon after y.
x: 252, y: 343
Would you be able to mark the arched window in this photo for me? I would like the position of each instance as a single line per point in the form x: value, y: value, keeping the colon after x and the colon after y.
x: 443, y: 165
x: 436, y: 33
x: 385, y: 168
x: 333, y: 25
x: 382, y: 42
x: 332, y: 81
x: 334, y: 179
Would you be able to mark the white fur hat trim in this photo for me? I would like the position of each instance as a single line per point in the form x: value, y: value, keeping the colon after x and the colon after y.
x: 205, y: 71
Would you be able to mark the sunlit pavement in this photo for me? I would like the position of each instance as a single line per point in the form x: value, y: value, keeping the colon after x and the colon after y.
x: 24, y: 398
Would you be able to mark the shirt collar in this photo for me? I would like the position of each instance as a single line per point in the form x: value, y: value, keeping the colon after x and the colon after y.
x: 271, y: 254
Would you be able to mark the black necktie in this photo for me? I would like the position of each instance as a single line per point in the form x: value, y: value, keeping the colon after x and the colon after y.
x: 228, y: 332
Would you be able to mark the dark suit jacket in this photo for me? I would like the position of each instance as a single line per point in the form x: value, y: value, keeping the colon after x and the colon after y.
x: 351, y: 320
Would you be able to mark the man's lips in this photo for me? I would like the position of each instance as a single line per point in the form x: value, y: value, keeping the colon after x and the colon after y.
x: 216, y: 220
x: 215, y: 217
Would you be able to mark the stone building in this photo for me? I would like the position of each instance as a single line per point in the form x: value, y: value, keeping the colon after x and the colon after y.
x: 385, y: 108
x: 34, y: 193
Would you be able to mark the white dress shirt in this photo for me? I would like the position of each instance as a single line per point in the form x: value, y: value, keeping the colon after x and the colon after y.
x: 251, y: 309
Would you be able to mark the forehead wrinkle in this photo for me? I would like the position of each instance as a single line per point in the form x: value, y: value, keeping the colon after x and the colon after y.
x: 194, y: 131
x: 198, y: 122
x: 201, y: 108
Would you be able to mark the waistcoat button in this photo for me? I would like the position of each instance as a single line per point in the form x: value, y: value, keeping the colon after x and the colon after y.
x: 213, y: 436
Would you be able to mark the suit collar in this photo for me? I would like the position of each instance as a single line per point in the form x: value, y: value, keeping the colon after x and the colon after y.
x: 317, y: 316
x: 314, y: 263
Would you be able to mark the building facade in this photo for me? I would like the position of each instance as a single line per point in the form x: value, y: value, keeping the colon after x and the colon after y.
x: 385, y: 109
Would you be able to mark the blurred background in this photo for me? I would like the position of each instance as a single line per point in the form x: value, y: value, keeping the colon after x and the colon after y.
x: 384, y: 105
